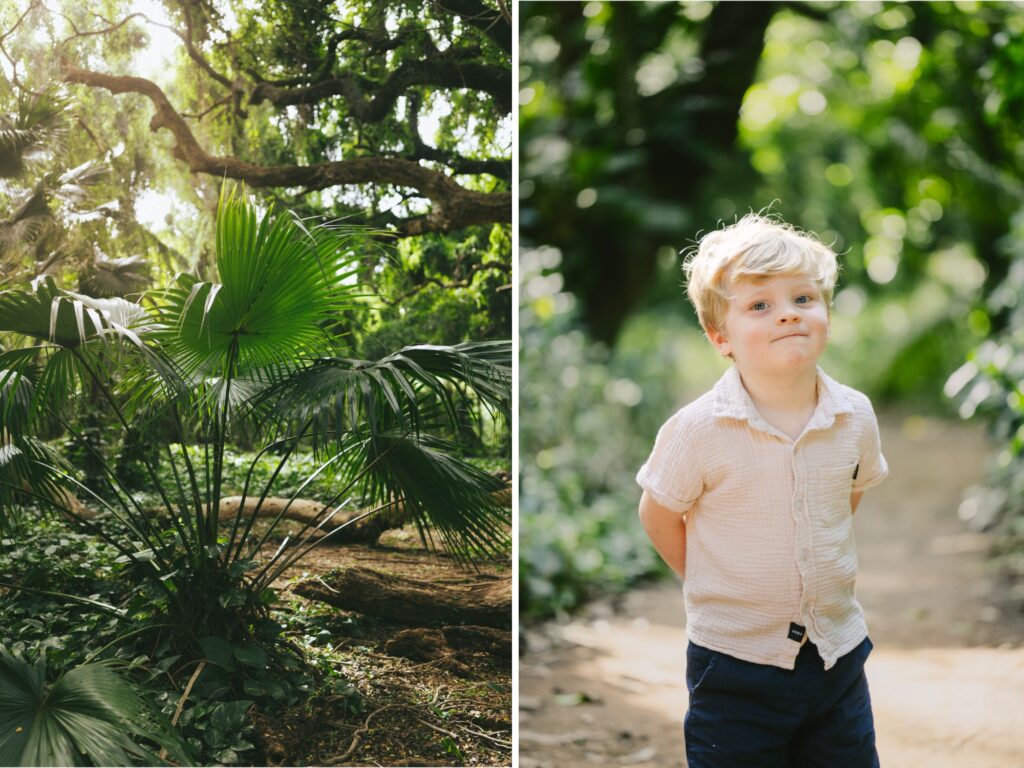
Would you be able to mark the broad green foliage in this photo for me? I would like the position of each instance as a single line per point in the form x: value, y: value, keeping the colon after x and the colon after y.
x: 265, y: 363
x: 438, y: 85
x: 881, y: 127
x: 581, y: 445
x: 205, y: 362
x: 882, y: 132
x: 991, y: 384
x: 443, y: 291
x: 89, y: 715
x: 44, y: 574
x: 45, y: 203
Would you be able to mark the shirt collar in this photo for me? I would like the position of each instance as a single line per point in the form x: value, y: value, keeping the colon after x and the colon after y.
x: 732, y: 401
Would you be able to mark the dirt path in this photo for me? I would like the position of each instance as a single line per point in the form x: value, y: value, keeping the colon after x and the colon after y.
x: 947, y: 673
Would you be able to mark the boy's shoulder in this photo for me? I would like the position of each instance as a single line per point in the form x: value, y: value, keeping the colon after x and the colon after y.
x: 696, y: 415
x: 860, y: 402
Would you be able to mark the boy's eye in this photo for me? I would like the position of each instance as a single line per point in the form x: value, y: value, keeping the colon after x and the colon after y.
x: 759, y: 305
x: 803, y: 299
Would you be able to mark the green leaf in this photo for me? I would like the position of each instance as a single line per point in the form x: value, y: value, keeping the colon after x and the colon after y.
x: 278, y: 285
x: 89, y: 709
x: 251, y: 655
x: 218, y: 651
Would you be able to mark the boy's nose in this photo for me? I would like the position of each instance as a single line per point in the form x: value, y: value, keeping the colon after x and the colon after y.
x: 789, y: 316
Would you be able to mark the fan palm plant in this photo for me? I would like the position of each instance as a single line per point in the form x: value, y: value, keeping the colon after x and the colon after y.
x: 89, y: 715
x: 258, y: 349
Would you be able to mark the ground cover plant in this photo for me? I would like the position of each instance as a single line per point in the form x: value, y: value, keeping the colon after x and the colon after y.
x: 259, y: 354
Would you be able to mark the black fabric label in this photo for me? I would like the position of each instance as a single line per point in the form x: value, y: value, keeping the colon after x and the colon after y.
x: 796, y: 632
x: 855, y: 471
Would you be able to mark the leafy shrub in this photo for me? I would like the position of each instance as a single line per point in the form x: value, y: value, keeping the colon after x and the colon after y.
x: 991, y: 384
x: 587, y: 421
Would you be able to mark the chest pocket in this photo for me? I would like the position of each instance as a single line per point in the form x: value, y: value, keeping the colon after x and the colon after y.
x: 832, y: 492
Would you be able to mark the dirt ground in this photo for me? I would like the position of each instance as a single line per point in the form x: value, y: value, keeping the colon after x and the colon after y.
x: 946, y: 675
x: 455, y: 709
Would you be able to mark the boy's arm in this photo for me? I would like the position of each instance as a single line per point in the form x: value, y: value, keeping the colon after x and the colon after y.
x: 666, y: 530
x: 855, y: 500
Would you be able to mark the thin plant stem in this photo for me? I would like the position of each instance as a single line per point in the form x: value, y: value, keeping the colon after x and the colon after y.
x: 236, y: 544
x: 337, y: 496
x: 301, y: 553
x: 220, y: 438
x: 119, y: 612
x: 277, y: 519
x: 129, y: 432
x: 127, y: 521
x: 185, y: 539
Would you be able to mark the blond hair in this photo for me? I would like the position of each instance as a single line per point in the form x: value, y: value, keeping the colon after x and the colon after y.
x: 755, y: 246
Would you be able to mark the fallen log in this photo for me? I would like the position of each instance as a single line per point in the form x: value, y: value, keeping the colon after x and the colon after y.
x: 309, y: 512
x: 412, y: 601
x: 365, y: 531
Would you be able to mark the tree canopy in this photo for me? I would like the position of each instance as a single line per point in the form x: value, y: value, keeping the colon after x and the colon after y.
x: 309, y: 98
x: 887, y: 128
x: 123, y: 120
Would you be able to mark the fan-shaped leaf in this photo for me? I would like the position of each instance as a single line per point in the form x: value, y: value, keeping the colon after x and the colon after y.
x: 89, y: 710
x: 278, y: 288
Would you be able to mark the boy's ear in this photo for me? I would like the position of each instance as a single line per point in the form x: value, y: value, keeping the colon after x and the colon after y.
x: 720, y: 341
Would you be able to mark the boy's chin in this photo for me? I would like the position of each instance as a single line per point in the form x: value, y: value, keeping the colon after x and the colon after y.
x: 782, y: 365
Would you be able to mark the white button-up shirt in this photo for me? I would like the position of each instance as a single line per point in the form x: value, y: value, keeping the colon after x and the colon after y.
x: 769, y: 529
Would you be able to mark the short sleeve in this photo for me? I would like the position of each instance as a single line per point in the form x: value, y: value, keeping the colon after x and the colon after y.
x: 873, y: 467
x: 672, y: 474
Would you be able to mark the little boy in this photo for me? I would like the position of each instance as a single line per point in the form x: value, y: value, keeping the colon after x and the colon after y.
x: 749, y: 495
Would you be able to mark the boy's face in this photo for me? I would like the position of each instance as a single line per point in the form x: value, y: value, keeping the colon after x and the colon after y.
x: 774, y: 325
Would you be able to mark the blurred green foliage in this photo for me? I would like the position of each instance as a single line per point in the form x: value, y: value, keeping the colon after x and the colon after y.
x: 991, y: 384
x: 892, y: 130
x: 585, y: 415
x: 577, y: 533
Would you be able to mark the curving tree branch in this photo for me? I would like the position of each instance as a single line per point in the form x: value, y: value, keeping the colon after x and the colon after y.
x: 496, y: 24
x: 502, y: 169
x: 453, y: 206
x: 444, y: 71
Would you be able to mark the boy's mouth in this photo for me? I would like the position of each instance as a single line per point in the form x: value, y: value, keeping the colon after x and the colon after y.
x: 790, y: 336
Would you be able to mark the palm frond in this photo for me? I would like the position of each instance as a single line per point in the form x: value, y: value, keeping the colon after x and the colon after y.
x: 106, y: 277
x: 68, y: 319
x: 89, y: 712
x: 38, y: 128
x: 442, y: 492
x: 20, y: 232
x: 72, y: 183
x: 277, y: 290
x: 16, y: 393
x: 334, y: 393
x: 26, y: 462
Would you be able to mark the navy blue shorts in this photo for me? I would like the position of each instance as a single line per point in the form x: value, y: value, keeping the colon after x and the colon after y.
x: 760, y: 716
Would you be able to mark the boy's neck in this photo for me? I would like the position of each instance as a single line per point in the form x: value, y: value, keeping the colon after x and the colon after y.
x: 794, y: 393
